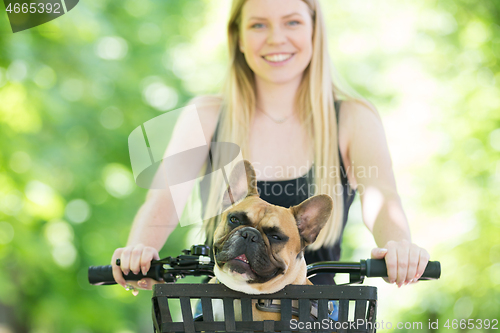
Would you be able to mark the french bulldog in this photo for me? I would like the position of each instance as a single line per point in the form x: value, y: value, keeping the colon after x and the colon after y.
x: 258, y: 247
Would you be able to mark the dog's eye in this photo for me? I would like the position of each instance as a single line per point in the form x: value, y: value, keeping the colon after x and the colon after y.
x: 234, y: 220
x: 276, y: 237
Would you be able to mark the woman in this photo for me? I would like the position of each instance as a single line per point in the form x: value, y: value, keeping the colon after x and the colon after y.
x: 281, y: 107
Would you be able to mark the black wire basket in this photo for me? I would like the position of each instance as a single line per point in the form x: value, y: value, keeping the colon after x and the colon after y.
x: 357, y: 307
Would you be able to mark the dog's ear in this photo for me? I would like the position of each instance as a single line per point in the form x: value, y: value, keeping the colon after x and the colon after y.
x: 312, y: 215
x: 242, y: 183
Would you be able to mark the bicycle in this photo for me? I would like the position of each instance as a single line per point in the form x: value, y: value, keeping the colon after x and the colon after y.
x: 308, y: 305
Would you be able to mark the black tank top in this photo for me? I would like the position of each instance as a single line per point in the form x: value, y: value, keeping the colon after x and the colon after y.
x: 287, y: 193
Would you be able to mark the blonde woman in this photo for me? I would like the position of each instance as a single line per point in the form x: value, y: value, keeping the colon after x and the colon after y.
x: 297, y: 127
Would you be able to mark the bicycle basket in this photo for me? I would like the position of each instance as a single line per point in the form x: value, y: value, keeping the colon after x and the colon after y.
x: 361, y: 318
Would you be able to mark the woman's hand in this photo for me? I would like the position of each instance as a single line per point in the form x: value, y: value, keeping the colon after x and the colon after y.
x: 405, y: 261
x: 134, y: 259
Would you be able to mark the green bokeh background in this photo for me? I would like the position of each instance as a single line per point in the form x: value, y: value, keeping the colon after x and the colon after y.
x: 72, y: 90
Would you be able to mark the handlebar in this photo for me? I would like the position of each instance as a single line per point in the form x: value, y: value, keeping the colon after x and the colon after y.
x: 367, y: 268
x: 196, y: 262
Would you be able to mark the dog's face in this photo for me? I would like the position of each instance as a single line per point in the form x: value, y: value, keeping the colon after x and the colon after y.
x: 258, y: 247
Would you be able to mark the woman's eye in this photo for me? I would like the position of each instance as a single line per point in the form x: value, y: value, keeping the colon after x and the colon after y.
x: 293, y: 23
x: 234, y: 220
x: 257, y: 26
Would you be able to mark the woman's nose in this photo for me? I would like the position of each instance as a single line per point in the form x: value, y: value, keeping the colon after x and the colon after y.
x: 276, y: 36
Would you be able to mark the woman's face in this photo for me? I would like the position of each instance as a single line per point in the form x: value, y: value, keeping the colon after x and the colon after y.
x: 276, y: 38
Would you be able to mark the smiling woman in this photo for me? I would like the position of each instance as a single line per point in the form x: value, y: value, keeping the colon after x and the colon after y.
x: 281, y: 106
x: 277, y: 47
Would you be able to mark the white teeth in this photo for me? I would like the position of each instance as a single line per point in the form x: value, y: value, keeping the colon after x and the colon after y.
x: 278, y: 57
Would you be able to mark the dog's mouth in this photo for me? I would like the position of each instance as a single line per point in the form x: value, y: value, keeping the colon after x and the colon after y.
x: 242, y: 265
x: 242, y: 257
x: 239, y: 264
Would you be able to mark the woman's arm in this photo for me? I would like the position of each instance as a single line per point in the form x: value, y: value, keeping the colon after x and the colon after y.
x: 157, y: 217
x: 382, y: 211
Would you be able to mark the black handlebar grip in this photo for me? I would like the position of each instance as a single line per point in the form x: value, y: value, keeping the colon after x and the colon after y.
x: 103, y: 275
x: 378, y: 268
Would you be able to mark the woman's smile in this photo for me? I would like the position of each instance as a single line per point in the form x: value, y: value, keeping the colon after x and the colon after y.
x: 278, y: 59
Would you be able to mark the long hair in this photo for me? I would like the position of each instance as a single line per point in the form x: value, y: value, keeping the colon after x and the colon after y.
x: 317, y: 115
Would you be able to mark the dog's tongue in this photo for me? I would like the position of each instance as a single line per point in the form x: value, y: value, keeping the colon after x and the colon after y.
x: 242, y: 257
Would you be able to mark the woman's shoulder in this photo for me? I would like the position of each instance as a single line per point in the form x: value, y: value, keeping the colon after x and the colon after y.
x: 351, y: 109
x: 356, y: 112
x: 355, y: 116
x: 208, y: 108
x: 207, y: 104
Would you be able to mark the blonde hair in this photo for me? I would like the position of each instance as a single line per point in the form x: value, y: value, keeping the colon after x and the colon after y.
x: 316, y: 114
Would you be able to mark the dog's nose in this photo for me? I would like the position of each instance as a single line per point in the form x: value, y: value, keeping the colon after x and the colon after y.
x: 250, y: 235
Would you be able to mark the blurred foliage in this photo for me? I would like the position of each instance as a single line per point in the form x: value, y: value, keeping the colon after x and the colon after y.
x: 455, y: 54
x: 72, y: 90
x: 465, y: 174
